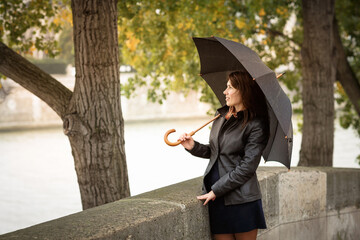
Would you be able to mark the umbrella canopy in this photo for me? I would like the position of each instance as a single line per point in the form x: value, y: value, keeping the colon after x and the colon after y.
x: 218, y: 58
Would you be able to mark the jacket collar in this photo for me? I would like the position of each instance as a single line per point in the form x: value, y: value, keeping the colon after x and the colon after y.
x: 224, y: 110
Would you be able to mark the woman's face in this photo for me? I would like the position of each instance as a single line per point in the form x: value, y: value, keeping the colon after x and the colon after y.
x: 233, y: 97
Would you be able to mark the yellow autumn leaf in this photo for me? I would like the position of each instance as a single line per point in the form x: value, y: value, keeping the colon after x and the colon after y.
x: 340, y: 88
x: 129, y: 35
x: 168, y: 52
x: 56, y: 21
x: 32, y: 49
x: 262, y: 12
x: 240, y: 23
x: 187, y: 26
x: 262, y: 31
x: 132, y: 43
x: 67, y: 15
x: 281, y: 11
x: 180, y: 26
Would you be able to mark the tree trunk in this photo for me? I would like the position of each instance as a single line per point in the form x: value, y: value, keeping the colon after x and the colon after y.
x: 92, y: 114
x: 318, y: 83
x: 95, y: 125
x: 344, y: 74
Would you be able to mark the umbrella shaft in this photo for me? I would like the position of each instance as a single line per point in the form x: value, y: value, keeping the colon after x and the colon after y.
x: 193, y: 132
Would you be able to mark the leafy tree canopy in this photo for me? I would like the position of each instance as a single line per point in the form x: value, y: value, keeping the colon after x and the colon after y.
x: 26, y: 26
x: 157, y: 39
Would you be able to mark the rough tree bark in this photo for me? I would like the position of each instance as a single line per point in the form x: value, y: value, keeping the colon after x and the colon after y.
x: 318, y: 83
x: 95, y: 126
x: 92, y: 114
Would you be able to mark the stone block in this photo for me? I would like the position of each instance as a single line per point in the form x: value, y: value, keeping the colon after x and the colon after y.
x: 343, y: 188
x: 270, y: 198
x: 302, y: 195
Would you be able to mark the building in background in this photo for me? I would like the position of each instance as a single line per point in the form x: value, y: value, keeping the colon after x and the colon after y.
x: 21, y: 109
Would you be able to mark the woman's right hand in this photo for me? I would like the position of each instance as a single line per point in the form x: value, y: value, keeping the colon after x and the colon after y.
x: 187, y: 141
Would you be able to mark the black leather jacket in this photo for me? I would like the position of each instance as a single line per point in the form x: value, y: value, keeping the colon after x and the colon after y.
x: 238, y: 150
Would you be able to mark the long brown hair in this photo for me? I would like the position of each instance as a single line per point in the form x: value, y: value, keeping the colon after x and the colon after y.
x: 252, y: 97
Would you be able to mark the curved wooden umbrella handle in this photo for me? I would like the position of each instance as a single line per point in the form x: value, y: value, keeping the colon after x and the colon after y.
x: 173, y: 144
x: 191, y: 133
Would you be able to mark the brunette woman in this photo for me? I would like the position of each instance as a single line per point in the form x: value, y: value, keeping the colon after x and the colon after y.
x: 237, y: 140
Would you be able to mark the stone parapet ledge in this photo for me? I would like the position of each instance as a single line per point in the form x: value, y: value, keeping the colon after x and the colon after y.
x: 171, y: 212
x: 310, y: 203
x: 304, y: 203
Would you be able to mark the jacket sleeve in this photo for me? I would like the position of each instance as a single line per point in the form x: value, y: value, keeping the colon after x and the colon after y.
x: 254, y: 147
x: 200, y: 150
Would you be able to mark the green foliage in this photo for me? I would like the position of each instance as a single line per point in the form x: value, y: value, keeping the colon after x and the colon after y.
x: 26, y: 26
x: 346, y: 112
x: 348, y: 16
x: 156, y: 37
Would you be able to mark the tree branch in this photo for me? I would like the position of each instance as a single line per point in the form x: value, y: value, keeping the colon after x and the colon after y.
x: 29, y: 76
x: 344, y: 73
x: 274, y: 32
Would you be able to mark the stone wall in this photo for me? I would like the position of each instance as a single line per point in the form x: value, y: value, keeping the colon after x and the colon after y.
x: 304, y: 203
x: 311, y: 203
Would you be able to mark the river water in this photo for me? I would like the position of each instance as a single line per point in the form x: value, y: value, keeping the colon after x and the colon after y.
x: 38, y: 181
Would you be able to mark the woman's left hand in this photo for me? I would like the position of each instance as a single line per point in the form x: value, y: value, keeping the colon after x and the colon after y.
x: 207, y: 197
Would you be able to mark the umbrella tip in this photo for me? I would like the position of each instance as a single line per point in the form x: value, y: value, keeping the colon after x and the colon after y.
x: 280, y: 74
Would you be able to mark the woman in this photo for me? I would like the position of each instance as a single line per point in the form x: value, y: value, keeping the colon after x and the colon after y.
x: 237, y: 140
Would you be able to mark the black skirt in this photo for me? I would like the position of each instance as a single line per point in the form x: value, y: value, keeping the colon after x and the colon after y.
x: 233, y: 218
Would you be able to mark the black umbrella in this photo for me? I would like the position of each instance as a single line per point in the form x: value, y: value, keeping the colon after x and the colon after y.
x: 218, y: 58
